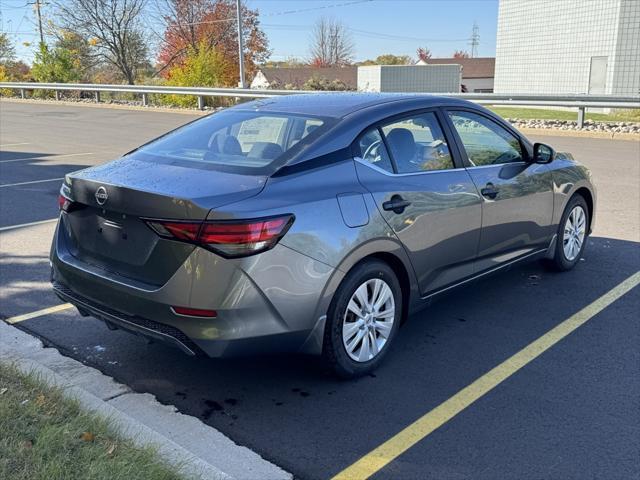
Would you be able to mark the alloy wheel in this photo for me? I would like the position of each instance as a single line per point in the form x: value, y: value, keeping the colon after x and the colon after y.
x: 368, y: 320
x: 574, y: 233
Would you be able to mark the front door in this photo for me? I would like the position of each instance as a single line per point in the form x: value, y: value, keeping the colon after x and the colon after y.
x: 517, y: 195
x: 432, y: 205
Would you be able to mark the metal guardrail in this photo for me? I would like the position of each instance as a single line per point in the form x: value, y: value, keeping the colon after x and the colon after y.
x: 581, y: 102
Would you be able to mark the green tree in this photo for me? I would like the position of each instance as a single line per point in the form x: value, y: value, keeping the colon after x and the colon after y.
x: 81, y: 50
x: 322, y: 83
x: 56, y: 64
x: 202, y: 67
x: 7, y: 50
x: 389, y: 59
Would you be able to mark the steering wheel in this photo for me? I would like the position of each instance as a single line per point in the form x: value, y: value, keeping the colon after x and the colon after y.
x: 504, y: 157
x: 370, y: 148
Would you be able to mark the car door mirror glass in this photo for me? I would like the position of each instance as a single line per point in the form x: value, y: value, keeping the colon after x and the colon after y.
x: 543, y: 153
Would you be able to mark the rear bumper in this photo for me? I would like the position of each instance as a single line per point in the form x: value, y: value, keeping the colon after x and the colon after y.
x: 263, y: 303
x: 136, y: 325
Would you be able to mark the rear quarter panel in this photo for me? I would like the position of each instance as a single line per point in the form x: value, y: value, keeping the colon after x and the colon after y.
x: 322, y: 230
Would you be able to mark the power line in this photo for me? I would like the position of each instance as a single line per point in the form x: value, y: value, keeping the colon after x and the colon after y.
x: 323, y: 7
x: 366, y: 33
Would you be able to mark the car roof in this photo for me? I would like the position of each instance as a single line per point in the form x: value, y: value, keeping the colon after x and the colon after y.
x: 339, y: 105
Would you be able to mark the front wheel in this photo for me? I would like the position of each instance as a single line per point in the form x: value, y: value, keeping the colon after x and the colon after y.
x: 362, y: 320
x: 572, y: 234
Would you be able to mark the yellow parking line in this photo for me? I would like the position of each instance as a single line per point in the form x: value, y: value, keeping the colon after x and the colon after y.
x: 38, y: 313
x: 405, y: 439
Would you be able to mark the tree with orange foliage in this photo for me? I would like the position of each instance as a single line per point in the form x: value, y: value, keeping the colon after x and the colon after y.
x: 460, y: 54
x: 190, y: 25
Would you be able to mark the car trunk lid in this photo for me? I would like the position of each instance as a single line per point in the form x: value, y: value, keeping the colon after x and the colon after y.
x: 106, y: 226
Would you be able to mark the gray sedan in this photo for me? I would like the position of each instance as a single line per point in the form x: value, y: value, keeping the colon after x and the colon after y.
x: 313, y: 223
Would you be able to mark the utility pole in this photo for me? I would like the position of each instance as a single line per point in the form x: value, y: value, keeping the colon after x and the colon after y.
x: 475, y: 39
x: 39, y: 21
x: 241, y: 84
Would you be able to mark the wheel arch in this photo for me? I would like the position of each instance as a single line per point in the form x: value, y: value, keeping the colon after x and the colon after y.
x: 401, y: 273
x: 585, y: 193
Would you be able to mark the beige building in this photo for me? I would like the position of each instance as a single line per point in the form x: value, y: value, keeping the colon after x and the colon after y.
x: 477, y: 73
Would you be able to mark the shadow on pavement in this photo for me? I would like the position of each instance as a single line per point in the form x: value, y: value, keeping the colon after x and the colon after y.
x: 288, y: 408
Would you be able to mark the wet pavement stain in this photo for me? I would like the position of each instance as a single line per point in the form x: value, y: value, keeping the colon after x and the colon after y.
x: 212, y: 406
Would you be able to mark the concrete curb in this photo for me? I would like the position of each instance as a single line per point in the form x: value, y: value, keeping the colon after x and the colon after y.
x: 193, y: 448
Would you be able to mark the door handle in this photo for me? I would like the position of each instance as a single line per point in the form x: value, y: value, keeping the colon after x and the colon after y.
x: 489, y: 191
x: 397, y: 204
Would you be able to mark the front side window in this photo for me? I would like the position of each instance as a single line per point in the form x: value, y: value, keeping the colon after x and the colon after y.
x: 237, y: 141
x: 485, y: 142
x: 417, y: 144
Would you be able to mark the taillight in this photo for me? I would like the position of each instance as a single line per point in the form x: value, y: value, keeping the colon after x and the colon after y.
x: 229, y: 238
x: 63, y: 202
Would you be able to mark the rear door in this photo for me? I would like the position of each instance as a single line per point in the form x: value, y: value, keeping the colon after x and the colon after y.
x: 424, y: 194
x: 517, y: 205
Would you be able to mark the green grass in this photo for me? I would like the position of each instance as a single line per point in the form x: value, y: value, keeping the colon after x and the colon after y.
x: 621, y: 115
x: 45, y: 436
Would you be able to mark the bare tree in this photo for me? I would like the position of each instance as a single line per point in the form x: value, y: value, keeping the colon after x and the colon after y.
x: 331, y: 44
x: 115, y: 27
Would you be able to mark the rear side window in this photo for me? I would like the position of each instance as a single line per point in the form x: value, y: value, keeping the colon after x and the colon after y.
x: 237, y: 141
x: 485, y: 142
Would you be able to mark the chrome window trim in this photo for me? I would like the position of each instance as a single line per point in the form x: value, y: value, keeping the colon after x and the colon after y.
x: 391, y: 174
x: 521, y: 162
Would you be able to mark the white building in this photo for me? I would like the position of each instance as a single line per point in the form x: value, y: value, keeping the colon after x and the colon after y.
x: 410, y: 78
x: 568, y: 46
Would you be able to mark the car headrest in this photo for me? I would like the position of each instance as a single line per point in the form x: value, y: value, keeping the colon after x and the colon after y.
x: 266, y: 150
x: 402, y: 144
x: 226, y: 144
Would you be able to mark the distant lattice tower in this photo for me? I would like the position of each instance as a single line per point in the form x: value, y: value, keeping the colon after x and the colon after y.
x: 475, y: 39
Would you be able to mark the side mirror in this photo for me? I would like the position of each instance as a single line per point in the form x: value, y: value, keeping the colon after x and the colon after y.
x: 543, y: 153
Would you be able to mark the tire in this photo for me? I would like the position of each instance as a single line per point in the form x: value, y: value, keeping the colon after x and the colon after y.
x: 563, y: 258
x: 377, y: 331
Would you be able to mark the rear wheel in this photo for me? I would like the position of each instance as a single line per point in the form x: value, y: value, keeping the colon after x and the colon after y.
x: 363, y: 319
x: 572, y: 234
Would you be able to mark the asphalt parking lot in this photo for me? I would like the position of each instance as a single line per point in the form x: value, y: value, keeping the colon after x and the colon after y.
x: 570, y: 413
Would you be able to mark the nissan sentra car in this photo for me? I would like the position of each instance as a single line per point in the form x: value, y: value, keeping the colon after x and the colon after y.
x: 312, y: 223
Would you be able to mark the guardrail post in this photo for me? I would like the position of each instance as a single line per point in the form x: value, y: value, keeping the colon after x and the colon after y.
x: 23, y: 94
x: 145, y: 99
x: 200, y: 102
x: 97, y: 95
x: 581, y: 117
x: 58, y: 95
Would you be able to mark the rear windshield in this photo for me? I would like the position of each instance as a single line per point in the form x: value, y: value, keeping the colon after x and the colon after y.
x: 236, y: 141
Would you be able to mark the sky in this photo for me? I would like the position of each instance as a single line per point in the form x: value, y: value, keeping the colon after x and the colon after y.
x: 377, y: 26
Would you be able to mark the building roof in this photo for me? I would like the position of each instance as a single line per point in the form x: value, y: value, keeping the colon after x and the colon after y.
x: 297, y: 76
x: 483, y: 67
